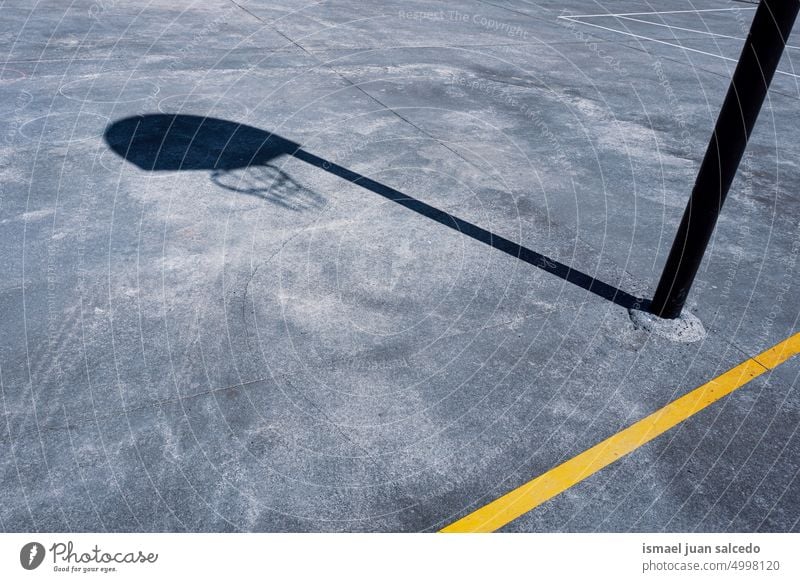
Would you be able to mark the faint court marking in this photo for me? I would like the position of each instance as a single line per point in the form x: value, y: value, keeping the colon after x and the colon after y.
x: 580, y: 19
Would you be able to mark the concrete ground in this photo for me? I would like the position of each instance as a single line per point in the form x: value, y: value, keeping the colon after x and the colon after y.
x: 211, y: 335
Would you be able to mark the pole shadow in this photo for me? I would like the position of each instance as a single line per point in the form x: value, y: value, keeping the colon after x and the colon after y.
x: 173, y: 142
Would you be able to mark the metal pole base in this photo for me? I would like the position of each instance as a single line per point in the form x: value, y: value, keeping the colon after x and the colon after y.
x: 685, y: 328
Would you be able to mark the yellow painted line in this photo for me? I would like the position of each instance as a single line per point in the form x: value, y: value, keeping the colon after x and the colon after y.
x: 779, y: 353
x: 523, y: 499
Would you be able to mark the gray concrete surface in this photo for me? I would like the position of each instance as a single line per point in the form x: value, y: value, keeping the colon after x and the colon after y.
x: 275, y: 348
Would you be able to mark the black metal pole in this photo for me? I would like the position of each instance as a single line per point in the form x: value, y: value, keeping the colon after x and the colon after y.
x: 759, y: 59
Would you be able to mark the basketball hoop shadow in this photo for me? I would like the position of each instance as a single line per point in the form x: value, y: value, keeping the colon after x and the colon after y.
x: 165, y: 142
x: 237, y: 156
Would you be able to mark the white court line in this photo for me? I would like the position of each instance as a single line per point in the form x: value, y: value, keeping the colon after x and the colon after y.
x: 685, y: 48
x: 663, y: 12
x: 708, y: 32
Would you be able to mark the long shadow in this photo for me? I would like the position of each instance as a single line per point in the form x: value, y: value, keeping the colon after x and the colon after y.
x: 165, y: 142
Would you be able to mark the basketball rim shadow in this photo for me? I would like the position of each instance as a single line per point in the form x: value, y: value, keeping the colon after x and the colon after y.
x: 172, y: 142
